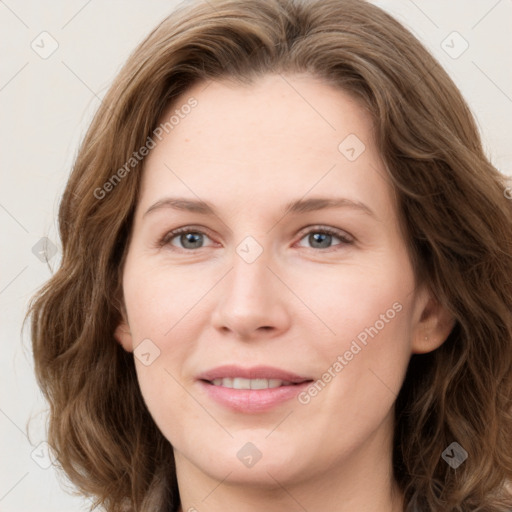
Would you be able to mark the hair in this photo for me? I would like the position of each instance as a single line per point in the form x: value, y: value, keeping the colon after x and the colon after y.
x: 456, y: 220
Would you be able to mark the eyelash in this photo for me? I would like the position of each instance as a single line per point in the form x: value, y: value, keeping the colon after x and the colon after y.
x: 344, y: 238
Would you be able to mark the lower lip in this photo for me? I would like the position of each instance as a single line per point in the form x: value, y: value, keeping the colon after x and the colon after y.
x: 252, y: 400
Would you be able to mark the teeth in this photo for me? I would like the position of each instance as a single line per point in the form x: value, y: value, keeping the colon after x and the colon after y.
x: 239, y: 383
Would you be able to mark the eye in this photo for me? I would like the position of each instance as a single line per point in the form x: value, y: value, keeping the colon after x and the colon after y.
x: 319, y: 237
x: 185, y: 238
x: 322, y: 237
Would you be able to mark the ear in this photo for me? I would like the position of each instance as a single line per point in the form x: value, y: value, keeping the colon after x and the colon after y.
x: 123, y: 335
x: 433, y: 325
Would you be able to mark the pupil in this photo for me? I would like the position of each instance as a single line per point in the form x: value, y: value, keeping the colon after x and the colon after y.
x: 191, y: 240
x: 322, y: 239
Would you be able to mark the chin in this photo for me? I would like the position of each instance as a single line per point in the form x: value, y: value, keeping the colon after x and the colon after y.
x: 251, y: 461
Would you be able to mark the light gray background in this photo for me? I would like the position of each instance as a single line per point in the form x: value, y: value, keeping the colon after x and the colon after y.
x: 46, y: 105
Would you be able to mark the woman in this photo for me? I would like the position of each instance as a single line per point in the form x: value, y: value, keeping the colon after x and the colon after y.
x: 285, y: 281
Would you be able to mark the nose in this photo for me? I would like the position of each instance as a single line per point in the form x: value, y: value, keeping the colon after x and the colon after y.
x: 253, y: 302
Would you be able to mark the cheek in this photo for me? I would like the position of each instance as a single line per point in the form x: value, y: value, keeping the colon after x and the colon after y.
x: 360, y: 372
x: 368, y: 311
x: 364, y: 302
x: 163, y: 313
x: 161, y: 298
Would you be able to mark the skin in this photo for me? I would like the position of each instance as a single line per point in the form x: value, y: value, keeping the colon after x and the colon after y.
x: 248, y: 150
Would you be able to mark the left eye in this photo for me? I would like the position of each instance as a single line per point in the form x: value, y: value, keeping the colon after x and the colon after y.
x: 323, y: 238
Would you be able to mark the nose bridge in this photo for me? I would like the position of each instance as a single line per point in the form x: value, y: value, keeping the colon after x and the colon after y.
x: 249, y: 280
x: 250, y: 298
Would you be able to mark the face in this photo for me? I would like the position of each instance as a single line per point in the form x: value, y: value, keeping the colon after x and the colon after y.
x: 270, y: 300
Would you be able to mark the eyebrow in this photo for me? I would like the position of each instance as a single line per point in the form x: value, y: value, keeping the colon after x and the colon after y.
x: 296, y: 206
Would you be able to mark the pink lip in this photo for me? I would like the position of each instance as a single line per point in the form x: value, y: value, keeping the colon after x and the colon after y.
x: 256, y: 372
x: 251, y: 400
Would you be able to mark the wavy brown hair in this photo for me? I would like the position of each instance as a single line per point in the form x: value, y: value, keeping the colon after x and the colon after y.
x: 456, y: 220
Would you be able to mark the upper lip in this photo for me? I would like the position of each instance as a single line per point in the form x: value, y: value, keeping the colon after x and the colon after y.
x: 255, y: 372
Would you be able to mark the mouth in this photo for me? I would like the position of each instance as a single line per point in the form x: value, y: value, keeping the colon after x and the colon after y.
x: 241, y: 383
x: 251, y: 390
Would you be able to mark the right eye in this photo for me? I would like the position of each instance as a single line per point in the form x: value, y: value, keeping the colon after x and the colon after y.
x: 185, y: 238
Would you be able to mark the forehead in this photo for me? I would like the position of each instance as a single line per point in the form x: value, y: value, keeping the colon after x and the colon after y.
x: 277, y: 139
